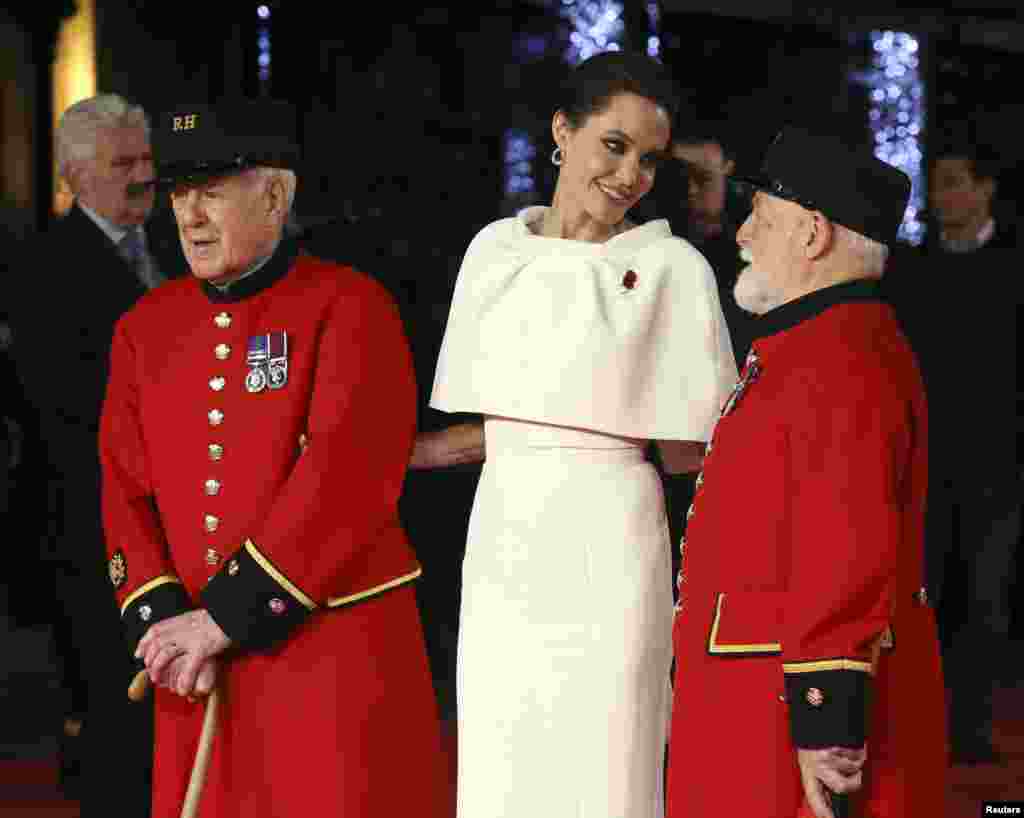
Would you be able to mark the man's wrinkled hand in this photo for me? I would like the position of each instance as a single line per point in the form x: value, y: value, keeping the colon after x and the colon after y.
x: 176, y: 678
x: 179, y: 647
x: 205, y: 680
x: 834, y: 769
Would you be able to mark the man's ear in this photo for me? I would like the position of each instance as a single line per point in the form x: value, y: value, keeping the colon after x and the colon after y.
x: 821, y: 235
x: 728, y: 167
x: 276, y: 196
x: 76, y: 175
x: 989, y: 188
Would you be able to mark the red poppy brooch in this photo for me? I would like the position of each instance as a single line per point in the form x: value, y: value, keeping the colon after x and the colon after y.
x: 629, y: 280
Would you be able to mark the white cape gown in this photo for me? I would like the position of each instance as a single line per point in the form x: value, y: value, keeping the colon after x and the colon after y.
x: 577, y: 354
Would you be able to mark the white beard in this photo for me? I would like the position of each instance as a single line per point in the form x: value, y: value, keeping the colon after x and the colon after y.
x: 752, y: 292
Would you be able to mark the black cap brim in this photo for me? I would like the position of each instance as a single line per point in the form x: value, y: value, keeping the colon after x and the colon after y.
x: 747, y: 186
x: 172, y: 174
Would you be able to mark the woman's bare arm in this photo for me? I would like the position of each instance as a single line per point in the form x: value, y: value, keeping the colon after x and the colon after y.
x: 461, y: 443
x: 681, y: 456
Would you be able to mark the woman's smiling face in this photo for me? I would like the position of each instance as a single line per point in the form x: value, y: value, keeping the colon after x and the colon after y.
x: 609, y: 161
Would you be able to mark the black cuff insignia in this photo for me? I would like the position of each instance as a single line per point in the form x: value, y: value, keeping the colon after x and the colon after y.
x: 827, y: 708
x: 161, y: 601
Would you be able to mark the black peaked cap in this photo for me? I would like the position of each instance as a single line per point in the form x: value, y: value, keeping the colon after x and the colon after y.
x: 850, y: 186
x: 197, y: 141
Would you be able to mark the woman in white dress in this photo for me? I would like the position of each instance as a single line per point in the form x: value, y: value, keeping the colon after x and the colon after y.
x: 579, y: 337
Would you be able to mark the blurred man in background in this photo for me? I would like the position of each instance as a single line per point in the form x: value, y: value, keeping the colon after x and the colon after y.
x: 968, y: 347
x: 714, y: 215
x: 86, y: 270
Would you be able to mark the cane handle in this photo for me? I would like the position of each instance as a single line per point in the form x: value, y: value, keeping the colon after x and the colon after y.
x: 137, y: 689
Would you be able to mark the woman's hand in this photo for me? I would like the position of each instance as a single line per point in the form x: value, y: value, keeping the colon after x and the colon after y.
x: 462, y: 443
x: 681, y: 456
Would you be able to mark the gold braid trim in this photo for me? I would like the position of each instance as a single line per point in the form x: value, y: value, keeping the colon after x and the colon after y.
x: 717, y: 648
x: 278, y: 577
x: 828, y: 664
x: 335, y: 602
x: 145, y: 589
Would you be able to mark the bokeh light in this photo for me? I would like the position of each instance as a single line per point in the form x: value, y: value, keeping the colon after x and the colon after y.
x: 897, y: 117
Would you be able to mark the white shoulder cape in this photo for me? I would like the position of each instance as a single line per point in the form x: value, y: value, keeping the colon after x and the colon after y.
x: 550, y: 330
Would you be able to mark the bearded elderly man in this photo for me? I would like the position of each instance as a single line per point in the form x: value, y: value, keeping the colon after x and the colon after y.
x: 254, y: 439
x: 807, y: 658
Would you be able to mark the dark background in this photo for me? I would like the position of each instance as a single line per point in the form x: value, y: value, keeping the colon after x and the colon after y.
x: 405, y: 112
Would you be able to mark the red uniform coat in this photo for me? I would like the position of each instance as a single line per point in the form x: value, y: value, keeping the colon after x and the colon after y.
x: 800, y: 591
x: 271, y: 501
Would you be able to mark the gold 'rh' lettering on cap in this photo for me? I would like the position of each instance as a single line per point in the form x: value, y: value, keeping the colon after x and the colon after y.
x: 184, y: 123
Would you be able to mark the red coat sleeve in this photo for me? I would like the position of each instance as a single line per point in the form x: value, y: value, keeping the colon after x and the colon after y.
x: 850, y: 442
x: 344, y: 488
x: 141, y: 570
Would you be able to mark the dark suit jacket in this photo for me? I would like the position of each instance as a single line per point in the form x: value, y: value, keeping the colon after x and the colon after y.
x: 71, y: 297
x: 73, y: 288
x: 959, y: 312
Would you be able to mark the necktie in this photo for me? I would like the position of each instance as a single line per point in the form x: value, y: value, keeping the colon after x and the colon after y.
x: 133, y: 251
x: 130, y: 247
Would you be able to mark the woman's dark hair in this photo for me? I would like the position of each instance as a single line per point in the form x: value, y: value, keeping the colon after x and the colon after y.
x: 591, y: 85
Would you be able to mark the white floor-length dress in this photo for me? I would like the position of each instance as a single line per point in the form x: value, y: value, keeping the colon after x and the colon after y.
x: 576, y: 354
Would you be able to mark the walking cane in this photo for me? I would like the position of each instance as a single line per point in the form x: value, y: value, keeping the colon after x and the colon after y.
x: 137, y: 691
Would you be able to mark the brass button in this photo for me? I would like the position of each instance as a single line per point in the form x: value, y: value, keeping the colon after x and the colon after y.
x: 707, y: 449
x: 216, y: 451
x: 216, y: 417
x: 700, y: 480
x: 222, y: 351
x: 921, y: 596
x: 303, y: 443
x: 210, y: 523
x: 232, y: 568
x: 222, y: 320
x: 690, y: 512
x: 217, y: 383
x: 212, y: 487
x: 212, y: 556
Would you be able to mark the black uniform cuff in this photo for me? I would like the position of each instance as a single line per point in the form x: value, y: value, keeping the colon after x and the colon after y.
x: 828, y: 708
x: 161, y: 602
x: 253, y: 603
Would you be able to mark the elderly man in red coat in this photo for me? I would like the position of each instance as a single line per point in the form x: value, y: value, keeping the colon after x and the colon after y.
x: 808, y: 678
x: 252, y: 531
